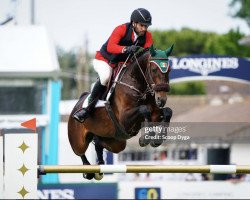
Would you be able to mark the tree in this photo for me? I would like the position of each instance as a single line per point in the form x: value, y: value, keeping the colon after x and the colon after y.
x: 77, y: 72
x: 242, y: 9
x: 188, y: 41
x: 189, y: 88
x: 226, y: 44
x: 68, y: 63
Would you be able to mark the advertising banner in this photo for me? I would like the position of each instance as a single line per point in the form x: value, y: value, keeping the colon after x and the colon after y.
x: 209, y: 67
x: 78, y: 191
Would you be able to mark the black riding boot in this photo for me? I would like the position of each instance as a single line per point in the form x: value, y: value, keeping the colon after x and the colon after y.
x: 96, y: 93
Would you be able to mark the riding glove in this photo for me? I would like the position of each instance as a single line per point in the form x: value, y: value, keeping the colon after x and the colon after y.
x: 131, y: 49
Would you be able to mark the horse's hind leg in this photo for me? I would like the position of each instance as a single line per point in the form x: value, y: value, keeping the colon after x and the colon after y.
x: 99, y: 152
x: 79, y: 138
x: 111, y: 144
x: 88, y: 139
x: 85, y: 161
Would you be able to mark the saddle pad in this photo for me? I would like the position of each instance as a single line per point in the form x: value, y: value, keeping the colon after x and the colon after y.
x: 99, y: 104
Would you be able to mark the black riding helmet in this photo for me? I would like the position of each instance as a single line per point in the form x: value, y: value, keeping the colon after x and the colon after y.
x: 142, y: 16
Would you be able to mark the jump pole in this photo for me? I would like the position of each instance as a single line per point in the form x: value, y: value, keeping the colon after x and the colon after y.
x: 213, y: 169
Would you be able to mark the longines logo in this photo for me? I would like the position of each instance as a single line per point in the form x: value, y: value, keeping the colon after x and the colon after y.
x: 205, y: 66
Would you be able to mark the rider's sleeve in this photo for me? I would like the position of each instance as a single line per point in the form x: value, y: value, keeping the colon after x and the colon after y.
x: 113, y: 43
x: 149, y: 40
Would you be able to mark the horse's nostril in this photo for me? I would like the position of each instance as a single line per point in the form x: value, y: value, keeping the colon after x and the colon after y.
x: 160, y: 102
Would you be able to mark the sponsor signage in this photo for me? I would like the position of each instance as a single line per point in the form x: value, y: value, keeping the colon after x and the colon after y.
x: 147, y: 193
x: 78, y: 191
x: 210, y: 67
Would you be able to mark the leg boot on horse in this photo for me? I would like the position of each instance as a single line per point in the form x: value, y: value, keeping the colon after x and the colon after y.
x: 82, y: 114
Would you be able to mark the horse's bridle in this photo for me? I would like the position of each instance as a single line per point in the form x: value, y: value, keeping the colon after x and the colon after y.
x: 151, y: 87
x: 157, y: 87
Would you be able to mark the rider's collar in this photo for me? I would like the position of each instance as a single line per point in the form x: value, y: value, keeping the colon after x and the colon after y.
x: 135, y: 36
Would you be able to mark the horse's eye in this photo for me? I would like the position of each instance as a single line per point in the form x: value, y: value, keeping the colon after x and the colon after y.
x: 154, y: 70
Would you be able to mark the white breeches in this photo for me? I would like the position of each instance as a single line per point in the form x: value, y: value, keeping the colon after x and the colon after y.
x: 104, y: 71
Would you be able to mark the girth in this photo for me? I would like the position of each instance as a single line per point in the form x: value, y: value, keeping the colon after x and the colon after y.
x: 120, y: 133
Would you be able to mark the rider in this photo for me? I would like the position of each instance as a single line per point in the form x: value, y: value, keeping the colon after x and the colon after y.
x: 124, y: 40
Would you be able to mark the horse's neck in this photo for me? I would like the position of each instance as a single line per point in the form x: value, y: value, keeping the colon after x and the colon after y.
x: 125, y: 100
x: 134, y: 75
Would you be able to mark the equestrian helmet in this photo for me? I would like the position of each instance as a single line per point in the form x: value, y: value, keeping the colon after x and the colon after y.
x: 142, y: 16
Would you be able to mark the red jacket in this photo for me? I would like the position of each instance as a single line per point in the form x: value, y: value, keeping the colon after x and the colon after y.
x: 122, y: 36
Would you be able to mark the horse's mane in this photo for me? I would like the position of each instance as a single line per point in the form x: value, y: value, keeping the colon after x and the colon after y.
x: 133, y: 74
x: 141, y: 58
x: 139, y: 55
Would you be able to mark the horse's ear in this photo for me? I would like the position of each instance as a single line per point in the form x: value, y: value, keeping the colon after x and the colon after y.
x: 169, y: 50
x: 152, y: 50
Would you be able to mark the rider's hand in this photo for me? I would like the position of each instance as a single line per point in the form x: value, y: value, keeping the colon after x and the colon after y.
x: 131, y: 49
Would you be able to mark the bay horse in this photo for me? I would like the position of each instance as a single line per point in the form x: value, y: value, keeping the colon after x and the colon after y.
x: 139, y: 95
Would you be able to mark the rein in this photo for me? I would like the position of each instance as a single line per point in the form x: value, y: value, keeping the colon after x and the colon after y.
x: 151, y: 88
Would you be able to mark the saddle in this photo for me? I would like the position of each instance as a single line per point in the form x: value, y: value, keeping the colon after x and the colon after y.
x: 115, y: 73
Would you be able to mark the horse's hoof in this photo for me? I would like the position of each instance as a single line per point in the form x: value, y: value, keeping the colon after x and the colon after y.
x: 98, y: 176
x: 145, y: 139
x: 143, y: 142
x: 167, y: 114
x: 156, y: 142
x: 88, y: 176
x: 101, y: 162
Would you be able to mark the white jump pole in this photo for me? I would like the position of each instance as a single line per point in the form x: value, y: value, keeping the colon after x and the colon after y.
x: 213, y: 169
x: 20, y: 177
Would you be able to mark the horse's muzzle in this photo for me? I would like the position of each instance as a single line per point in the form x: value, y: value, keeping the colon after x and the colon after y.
x: 160, y: 102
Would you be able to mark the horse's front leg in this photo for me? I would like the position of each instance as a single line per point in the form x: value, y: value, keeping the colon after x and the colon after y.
x: 130, y: 118
x: 161, y: 115
x: 146, y: 136
x: 167, y: 114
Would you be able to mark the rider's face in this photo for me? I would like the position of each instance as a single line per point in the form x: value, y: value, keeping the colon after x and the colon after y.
x: 139, y: 28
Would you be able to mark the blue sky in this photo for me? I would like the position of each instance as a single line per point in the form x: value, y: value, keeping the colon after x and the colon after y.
x: 69, y: 22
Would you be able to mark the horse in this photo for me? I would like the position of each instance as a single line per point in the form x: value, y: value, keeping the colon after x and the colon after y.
x: 139, y: 95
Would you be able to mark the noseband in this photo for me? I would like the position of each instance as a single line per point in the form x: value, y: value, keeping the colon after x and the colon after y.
x: 161, y: 87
